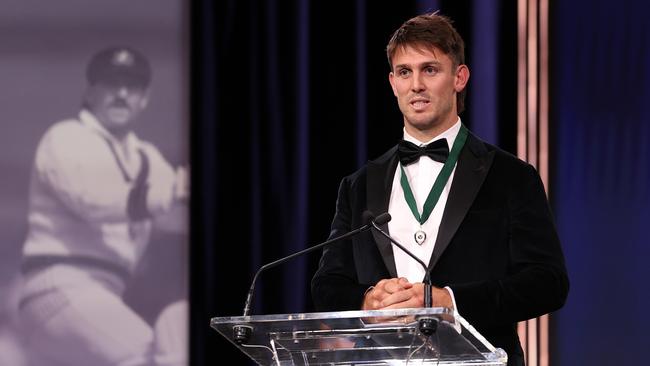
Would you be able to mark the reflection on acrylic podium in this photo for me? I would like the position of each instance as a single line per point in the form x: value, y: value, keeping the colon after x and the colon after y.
x: 377, y: 337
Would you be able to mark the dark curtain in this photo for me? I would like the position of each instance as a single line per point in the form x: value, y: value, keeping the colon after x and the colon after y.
x: 287, y: 98
x: 600, y: 94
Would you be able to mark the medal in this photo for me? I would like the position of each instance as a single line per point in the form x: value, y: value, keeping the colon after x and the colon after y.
x: 420, y: 236
x: 432, y: 199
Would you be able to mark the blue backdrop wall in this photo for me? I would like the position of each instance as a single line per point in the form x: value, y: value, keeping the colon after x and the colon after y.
x: 601, y: 190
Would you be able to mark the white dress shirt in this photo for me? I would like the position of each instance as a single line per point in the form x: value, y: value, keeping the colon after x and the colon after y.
x: 421, y: 176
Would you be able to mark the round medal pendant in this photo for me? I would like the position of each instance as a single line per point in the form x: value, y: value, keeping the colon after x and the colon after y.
x: 420, y: 236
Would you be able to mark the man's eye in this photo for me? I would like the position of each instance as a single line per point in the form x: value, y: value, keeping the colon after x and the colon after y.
x: 404, y: 72
x: 431, y: 70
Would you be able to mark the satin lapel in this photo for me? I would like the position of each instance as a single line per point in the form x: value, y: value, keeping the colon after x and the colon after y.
x: 379, y: 184
x: 472, y: 168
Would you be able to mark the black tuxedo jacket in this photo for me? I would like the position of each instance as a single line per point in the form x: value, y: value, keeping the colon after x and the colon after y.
x: 497, y: 247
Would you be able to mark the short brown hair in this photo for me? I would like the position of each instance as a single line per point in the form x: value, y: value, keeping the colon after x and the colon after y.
x: 428, y: 31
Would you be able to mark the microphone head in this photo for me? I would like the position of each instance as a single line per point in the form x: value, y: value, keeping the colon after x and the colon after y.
x: 367, y: 217
x: 382, y: 219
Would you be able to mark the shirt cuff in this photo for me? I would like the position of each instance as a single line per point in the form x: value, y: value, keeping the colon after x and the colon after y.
x: 456, y: 324
x: 368, y: 290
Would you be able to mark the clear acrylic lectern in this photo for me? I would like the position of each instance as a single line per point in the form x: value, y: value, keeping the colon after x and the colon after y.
x: 378, y: 337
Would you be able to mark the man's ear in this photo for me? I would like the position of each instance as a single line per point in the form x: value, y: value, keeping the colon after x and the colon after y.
x: 462, y: 77
x: 391, y: 80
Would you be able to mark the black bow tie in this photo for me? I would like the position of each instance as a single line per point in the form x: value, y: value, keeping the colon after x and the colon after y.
x: 409, y: 152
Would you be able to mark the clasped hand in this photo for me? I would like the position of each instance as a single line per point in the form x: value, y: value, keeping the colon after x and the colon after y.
x: 399, y: 293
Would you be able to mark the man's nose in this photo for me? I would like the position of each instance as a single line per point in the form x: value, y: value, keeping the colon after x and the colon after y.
x: 123, y: 92
x: 417, y: 84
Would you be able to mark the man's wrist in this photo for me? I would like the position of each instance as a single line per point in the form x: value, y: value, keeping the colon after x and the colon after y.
x: 453, y: 299
x: 368, y: 290
x: 365, y: 294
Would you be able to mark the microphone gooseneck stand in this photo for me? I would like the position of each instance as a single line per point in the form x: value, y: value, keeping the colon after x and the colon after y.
x: 242, y: 333
x: 427, y: 325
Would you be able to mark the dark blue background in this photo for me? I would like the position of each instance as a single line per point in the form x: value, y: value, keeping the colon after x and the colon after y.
x: 601, y: 185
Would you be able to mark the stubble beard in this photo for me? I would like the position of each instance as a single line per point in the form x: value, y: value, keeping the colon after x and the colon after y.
x: 431, y: 123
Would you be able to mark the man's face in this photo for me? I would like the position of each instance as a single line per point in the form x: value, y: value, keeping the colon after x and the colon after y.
x: 425, y: 84
x: 116, y: 105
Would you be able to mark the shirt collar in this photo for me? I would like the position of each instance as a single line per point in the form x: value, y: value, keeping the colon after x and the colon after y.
x: 450, y: 134
x: 89, y: 120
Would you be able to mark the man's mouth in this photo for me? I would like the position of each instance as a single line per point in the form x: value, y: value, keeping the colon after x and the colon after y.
x: 119, y: 113
x: 419, y: 103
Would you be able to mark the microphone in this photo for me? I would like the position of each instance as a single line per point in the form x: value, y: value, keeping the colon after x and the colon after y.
x: 427, y: 325
x: 242, y: 333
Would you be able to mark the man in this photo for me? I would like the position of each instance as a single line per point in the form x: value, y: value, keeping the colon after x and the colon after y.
x: 95, y: 191
x: 477, y: 216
